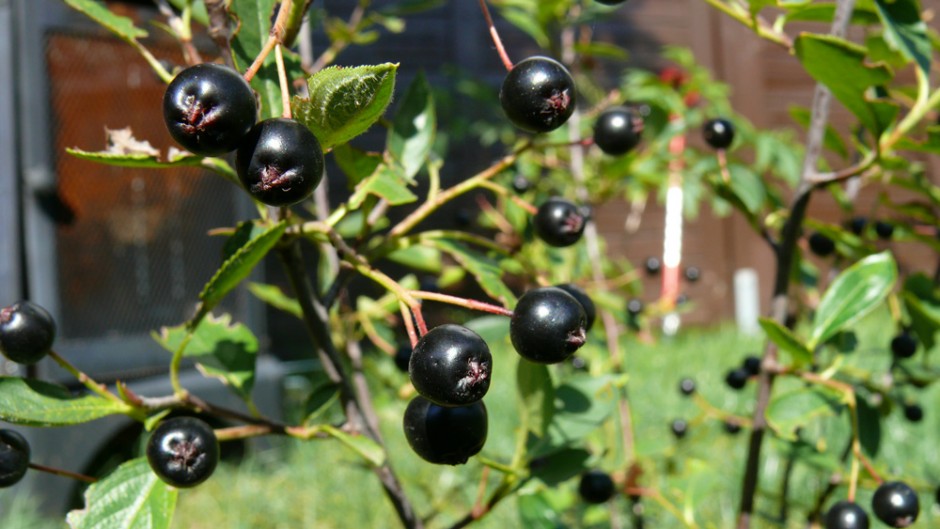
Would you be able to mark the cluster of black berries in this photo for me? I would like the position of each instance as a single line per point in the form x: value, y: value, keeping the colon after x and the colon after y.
x: 211, y: 110
x: 895, y: 503
x: 451, y: 366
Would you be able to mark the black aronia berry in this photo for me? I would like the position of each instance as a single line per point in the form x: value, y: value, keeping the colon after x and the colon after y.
x: 896, y: 504
x: 209, y: 108
x: 14, y: 457
x: 718, y: 133
x: 280, y: 162
x: 903, y: 345
x: 821, y: 245
x: 846, y: 515
x: 596, y: 486
x: 183, y: 451
x: 27, y: 332
x: 548, y: 325
x: 618, y: 130
x: 559, y: 222
x: 538, y: 94
x: 451, y: 366
x: 590, y: 310
x: 445, y: 435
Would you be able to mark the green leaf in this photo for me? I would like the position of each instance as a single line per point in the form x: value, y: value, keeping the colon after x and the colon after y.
x: 237, y: 267
x: 794, y: 409
x: 33, y: 402
x: 386, y: 182
x: 422, y: 258
x: 748, y: 187
x: 365, y: 447
x: 344, y: 102
x: 853, y: 294
x: 922, y: 302
x: 131, y: 497
x: 869, y: 426
x: 135, y: 160
x: 252, y: 31
x: 274, y: 296
x: 222, y: 350
x: 356, y: 163
x: 485, y: 270
x: 832, y: 140
x: 841, y: 66
x: 555, y: 468
x: 787, y: 341
x: 537, y: 512
x: 120, y: 25
x: 412, y: 134
x: 536, y: 396
x: 583, y: 403
x: 905, y: 31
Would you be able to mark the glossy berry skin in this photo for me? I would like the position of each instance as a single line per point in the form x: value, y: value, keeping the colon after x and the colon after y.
x: 896, y: 504
x: 14, y: 457
x: 679, y: 428
x: 596, y: 487
x: 821, y: 245
x: 687, y: 386
x: 737, y: 378
x: 403, y: 357
x: 857, y: 225
x: 692, y: 274
x: 547, y: 325
x: 884, y: 230
x: 208, y: 109
x: 618, y: 130
x: 442, y: 435
x: 521, y: 184
x: 611, y: 2
x: 27, y: 332
x: 913, y: 412
x: 451, y: 366
x: 634, y: 307
x: 538, y: 95
x: 559, y: 223
x: 718, y: 133
x: 846, y: 515
x: 653, y: 265
x: 590, y: 310
x: 903, y: 345
x: 751, y: 364
x: 280, y: 162
x: 183, y: 451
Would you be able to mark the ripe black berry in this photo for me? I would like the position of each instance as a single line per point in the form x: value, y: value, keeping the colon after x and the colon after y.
x: 903, y: 345
x: 913, y: 412
x: 403, y: 357
x: 521, y: 184
x: 719, y: 133
x: 547, y: 325
x: 857, y: 225
x: 611, y: 2
x: 183, y: 451
x: 445, y: 436
x: 653, y: 265
x: 634, y: 307
x: 209, y: 108
x: 279, y: 162
x: 687, y: 386
x: 884, y: 230
x: 821, y: 245
x: 846, y: 515
x: 692, y: 274
x: 596, y: 486
x: 679, y: 428
x: 27, y: 332
x: 14, y: 457
x: 538, y: 95
x: 618, y: 130
x: 590, y: 310
x: 559, y: 223
x: 737, y: 378
x: 451, y: 366
x: 732, y: 427
x: 896, y: 504
x: 751, y: 364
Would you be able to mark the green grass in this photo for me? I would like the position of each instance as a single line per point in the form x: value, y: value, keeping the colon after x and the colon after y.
x: 324, y: 485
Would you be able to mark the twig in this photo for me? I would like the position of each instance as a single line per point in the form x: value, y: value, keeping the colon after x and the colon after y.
x: 63, y: 473
x: 503, y: 56
x: 274, y: 38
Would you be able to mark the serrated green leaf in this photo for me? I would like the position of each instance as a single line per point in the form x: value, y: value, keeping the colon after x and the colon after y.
x: 412, y: 134
x: 787, y: 341
x: 905, y: 31
x: 482, y: 268
x: 274, y: 296
x: 237, y: 267
x: 386, y: 182
x: 131, y: 497
x: 365, y: 447
x: 222, y: 350
x: 853, y: 294
x: 120, y: 25
x: 797, y: 408
x: 33, y: 402
x: 344, y: 102
x: 536, y: 396
x: 842, y: 67
x: 136, y: 160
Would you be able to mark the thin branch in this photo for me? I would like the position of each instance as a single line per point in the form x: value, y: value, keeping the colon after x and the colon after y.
x: 63, y: 473
x: 500, y: 49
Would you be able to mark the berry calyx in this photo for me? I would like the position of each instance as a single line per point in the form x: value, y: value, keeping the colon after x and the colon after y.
x: 183, y: 451
x: 618, y: 130
x: 590, y: 310
x: 596, y: 487
x: 821, y: 245
x: 208, y: 109
x: 14, y: 457
x: 846, y: 515
x: 896, y: 504
x: 442, y: 435
x: 718, y: 133
x: 737, y: 378
x: 559, y: 222
x: 687, y: 386
x: 27, y: 332
x: 538, y: 95
x: 451, y: 366
x: 548, y: 325
x: 904, y: 345
x: 279, y: 162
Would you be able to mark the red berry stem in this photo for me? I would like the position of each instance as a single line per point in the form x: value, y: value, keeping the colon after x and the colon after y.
x: 409, y: 323
x: 501, y: 190
x: 274, y: 38
x: 495, y: 35
x: 471, y: 304
x: 63, y: 473
x: 722, y: 155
